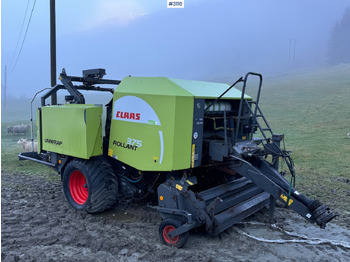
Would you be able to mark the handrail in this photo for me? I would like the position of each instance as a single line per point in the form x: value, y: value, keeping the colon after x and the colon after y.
x: 242, y: 99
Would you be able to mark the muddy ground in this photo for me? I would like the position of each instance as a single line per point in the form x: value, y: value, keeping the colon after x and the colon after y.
x: 38, y: 225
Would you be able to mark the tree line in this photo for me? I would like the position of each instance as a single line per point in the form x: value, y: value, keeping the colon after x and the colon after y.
x: 339, y: 43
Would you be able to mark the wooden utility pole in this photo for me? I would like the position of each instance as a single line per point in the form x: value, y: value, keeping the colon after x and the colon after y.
x: 53, y: 49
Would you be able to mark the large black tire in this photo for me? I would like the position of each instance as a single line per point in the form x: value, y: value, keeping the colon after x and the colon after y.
x: 90, y: 185
x: 167, y: 226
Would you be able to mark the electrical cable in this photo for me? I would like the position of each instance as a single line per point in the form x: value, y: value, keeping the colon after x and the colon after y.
x: 155, y: 181
x: 25, y: 35
x: 304, y: 239
x: 286, y: 157
x: 290, y: 163
x: 20, y: 33
x: 130, y: 180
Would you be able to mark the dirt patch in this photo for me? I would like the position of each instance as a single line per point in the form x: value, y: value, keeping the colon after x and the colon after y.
x: 38, y: 225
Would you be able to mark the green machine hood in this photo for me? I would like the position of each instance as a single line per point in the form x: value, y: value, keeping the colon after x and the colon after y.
x: 177, y: 87
x: 152, y: 120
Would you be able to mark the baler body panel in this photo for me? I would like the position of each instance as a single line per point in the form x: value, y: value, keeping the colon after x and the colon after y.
x: 151, y: 127
x: 71, y: 129
x: 152, y: 121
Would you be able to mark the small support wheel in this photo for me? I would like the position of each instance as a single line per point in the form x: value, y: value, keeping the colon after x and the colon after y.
x: 167, y: 226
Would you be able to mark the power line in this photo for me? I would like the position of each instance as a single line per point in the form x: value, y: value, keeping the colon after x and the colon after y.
x: 25, y: 35
x: 19, y: 36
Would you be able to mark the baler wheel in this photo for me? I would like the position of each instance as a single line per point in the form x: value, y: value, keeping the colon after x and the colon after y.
x: 90, y: 185
x: 78, y: 187
x: 167, y: 226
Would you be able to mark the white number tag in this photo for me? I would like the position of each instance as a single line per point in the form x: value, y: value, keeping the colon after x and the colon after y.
x: 134, y: 142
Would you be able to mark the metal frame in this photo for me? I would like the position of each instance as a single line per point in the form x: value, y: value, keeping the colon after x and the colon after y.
x: 88, y: 85
x: 243, y: 101
x: 222, y: 206
x: 90, y: 78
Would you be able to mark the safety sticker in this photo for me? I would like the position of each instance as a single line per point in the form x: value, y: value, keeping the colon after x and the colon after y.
x: 285, y: 199
x: 192, y: 156
x: 110, y: 152
x: 178, y: 187
x: 189, y: 182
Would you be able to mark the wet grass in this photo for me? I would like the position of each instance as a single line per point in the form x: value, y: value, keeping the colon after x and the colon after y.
x: 312, y: 109
x: 16, y: 114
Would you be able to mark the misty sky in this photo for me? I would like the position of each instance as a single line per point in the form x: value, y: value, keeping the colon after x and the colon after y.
x: 206, y: 40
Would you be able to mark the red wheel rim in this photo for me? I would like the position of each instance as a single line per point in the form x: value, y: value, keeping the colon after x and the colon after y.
x: 78, y: 188
x: 167, y: 239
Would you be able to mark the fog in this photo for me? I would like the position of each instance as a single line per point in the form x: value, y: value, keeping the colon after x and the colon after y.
x: 206, y: 40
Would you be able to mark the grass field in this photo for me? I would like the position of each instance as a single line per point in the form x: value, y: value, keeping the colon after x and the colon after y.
x: 311, y: 108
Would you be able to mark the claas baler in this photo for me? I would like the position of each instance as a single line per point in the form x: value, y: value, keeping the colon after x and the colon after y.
x: 202, y: 152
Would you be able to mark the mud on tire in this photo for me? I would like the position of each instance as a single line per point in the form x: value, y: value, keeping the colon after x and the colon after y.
x: 90, y: 185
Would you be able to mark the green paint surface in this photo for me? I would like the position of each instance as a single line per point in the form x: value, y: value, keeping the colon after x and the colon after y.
x: 73, y: 130
x: 164, y: 130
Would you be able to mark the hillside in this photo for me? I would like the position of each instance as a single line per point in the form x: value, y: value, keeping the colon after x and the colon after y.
x: 312, y: 109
